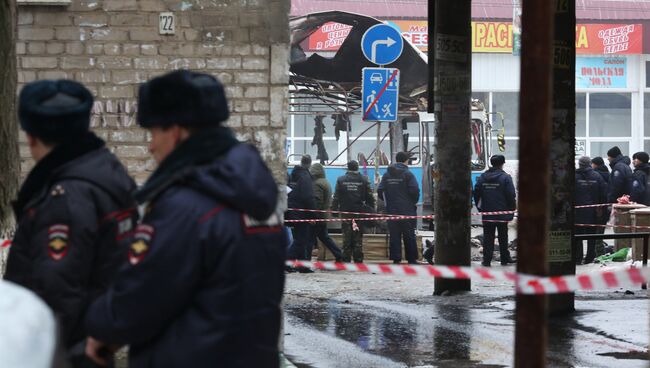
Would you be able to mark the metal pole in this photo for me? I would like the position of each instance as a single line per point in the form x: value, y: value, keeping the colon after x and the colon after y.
x: 534, y: 168
x: 453, y: 71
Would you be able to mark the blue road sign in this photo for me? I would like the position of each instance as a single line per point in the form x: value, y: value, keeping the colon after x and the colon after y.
x: 382, y: 44
x: 380, y: 92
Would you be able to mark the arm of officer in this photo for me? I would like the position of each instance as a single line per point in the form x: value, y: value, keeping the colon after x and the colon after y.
x: 511, y: 195
x: 162, y: 271
x: 616, y: 182
x: 370, y: 199
x: 335, y: 200
x: 381, y: 188
x: 413, y: 188
x: 63, y: 241
x: 477, y: 192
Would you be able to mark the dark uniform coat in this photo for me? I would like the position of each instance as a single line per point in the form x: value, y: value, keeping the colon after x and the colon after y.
x: 590, y: 189
x: 353, y: 194
x: 494, y: 191
x: 640, y: 192
x: 302, y: 194
x: 620, y: 179
x: 400, y: 190
x: 73, y: 215
x: 205, y: 272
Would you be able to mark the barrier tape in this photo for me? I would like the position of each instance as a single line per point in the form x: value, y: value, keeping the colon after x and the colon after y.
x: 524, y: 284
x: 389, y: 215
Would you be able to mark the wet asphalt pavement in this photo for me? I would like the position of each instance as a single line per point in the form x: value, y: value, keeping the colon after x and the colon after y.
x: 354, y: 320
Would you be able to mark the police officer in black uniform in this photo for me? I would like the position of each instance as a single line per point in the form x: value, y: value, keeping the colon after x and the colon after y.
x: 640, y: 192
x: 590, y: 189
x: 73, y: 209
x: 400, y: 191
x: 494, y: 191
x: 205, y: 273
x: 353, y: 194
x: 620, y: 179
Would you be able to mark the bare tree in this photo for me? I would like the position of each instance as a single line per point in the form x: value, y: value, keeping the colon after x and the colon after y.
x: 9, y: 158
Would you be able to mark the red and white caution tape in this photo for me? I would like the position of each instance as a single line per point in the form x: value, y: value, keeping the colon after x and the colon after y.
x: 5, y: 243
x: 389, y: 215
x: 525, y: 284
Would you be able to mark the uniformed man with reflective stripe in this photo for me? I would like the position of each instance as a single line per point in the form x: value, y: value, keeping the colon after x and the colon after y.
x: 203, y: 281
x: 73, y: 210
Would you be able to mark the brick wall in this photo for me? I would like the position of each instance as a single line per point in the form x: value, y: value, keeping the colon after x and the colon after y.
x: 113, y: 45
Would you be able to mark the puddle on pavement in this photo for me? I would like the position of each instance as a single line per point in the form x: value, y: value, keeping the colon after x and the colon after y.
x: 440, y: 335
x: 412, y: 340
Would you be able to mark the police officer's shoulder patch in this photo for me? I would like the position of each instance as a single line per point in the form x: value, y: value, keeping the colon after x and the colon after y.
x: 57, y: 241
x: 253, y: 226
x: 140, y: 245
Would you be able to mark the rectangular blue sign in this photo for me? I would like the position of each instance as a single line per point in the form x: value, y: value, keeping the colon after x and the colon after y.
x: 380, y: 92
x: 601, y: 72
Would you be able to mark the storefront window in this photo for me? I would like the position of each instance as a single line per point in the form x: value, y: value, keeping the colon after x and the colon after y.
x: 610, y: 115
x: 581, y: 114
x: 601, y: 148
x: 508, y: 104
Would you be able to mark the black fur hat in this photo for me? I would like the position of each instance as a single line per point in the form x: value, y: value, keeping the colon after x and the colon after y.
x: 184, y: 98
x: 55, y: 110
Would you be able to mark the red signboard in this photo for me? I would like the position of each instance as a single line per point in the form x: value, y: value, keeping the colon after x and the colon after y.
x: 329, y: 37
x: 609, y: 39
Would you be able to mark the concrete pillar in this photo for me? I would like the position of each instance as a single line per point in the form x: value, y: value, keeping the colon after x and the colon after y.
x: 452, y: 80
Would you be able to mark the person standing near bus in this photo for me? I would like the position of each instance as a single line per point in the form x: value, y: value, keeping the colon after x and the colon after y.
x: 353, y: 194
x: 494, y: 191
x: 400, y: 192
x: 323, y: 198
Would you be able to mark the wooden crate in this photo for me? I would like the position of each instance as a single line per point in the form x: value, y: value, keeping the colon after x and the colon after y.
x: 375, y: 248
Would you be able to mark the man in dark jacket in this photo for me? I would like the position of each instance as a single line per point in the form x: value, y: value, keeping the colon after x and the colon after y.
x: 353, y: 194
x: 590, y: 189
x: 203, y: 283
x: 301, y: 197
x: 400, y: 192
x: 640, y: 192
x: 494, y: 191
x: 73, y: 209
x: 598, y: 164
x: 620, y: 179
x: 323, y: 198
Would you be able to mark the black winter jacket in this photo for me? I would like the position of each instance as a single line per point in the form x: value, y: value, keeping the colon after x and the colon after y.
x: 205, y: 273
x: 302, y: 194
x: 353, y: 194
x: 74, y: 210
x: 590, y: 189
x: 400, y: 190
x: 640, y: 192
x: 494, y: 191
x: 604, y: 172
x: 620, y: 179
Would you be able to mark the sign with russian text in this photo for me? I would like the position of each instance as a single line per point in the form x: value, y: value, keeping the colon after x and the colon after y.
x: 601, y: 72
x: 329, y: 37
x: 606, y: 39
x: 497, y: 37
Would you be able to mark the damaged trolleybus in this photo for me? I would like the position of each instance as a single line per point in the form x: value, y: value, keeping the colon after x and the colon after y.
x: 325, y: 117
